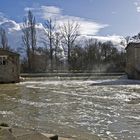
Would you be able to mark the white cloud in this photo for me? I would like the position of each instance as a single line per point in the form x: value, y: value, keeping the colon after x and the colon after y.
x: 1, y: 14
x: 137, y: 4
x: 2, y: 18
x: 45, y: 12
x: 90, y: 27
x: 14, y: 32
x: 114, y: 38
x: 119, y: 42
x: 138, y: 9
x: 86, y: 26
x: 114, y: 12
x: 28, y: 8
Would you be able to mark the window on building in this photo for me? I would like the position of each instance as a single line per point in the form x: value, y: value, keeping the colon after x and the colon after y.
x: 3, y: 60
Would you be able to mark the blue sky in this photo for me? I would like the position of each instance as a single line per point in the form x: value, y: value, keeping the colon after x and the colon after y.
x: 109, y: 17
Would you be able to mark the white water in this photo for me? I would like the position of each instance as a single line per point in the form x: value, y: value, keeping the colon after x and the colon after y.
x: 109, y: 108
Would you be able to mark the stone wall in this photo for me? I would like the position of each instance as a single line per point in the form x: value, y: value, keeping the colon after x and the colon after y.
x: 133, y: 61
x: 9, y: 72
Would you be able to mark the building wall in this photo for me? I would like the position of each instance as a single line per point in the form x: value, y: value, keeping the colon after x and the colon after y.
x: 10, y: 71
x: 133, y: 61
x: 130, y: 53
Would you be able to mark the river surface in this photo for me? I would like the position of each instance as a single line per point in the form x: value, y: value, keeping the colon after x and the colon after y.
x: 108, y: 107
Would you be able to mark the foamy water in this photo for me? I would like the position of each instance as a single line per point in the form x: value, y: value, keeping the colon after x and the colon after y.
x: 109, y: 108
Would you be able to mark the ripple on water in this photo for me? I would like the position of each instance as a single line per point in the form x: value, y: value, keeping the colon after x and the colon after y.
x: 6, y: 113
x: 101, y: 109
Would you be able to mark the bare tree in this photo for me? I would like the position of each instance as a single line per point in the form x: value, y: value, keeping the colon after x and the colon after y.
x: 57, y: 50
x: 32, y: 28
x: 69, y: 32
x: 50, y: 29
x: 29, y: 39
x: 26, y: 42
x: 4, y: 39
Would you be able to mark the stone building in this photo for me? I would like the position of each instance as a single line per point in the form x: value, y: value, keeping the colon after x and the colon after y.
x: 133, y: 60
x: 9, y: 66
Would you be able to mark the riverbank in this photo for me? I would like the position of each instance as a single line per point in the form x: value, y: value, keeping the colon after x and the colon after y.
x: 17, y: 133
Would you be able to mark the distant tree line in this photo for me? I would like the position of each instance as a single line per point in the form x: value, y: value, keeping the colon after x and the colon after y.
x: 62, y: 51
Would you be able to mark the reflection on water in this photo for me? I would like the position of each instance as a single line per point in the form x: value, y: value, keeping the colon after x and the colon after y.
x: 105, y: 107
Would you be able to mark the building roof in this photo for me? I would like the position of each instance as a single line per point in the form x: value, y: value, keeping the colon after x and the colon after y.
x: 8, y: 52
x: 133, y: 44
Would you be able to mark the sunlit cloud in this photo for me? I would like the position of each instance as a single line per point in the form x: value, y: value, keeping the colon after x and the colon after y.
x: 86, y: 26
x: 45, y: 12
x: 137, y: 4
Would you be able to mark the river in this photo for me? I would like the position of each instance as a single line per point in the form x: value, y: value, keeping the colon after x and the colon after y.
x: 108, y: 107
